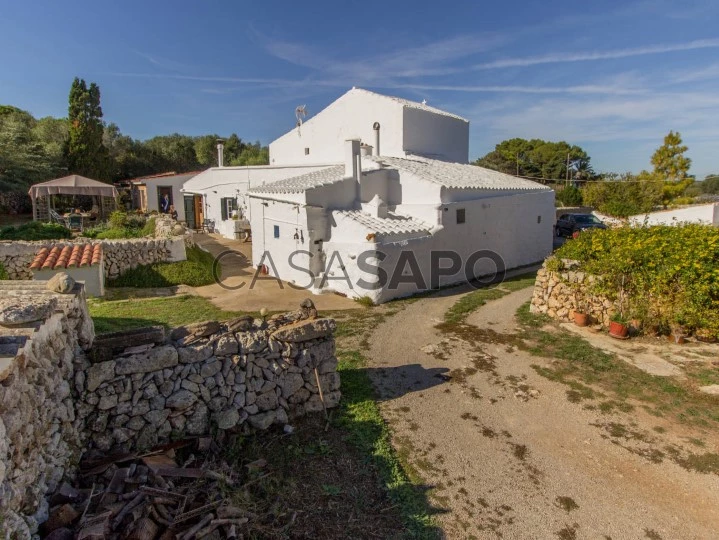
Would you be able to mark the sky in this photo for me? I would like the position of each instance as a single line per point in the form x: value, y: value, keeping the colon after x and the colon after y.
x: 612, y: 77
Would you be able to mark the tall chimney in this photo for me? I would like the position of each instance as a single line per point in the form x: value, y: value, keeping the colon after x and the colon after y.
x: 375, y: 126
x: 220, y: 153
x: 352, y: 152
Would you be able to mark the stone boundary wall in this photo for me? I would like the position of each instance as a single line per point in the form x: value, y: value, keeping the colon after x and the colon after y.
x: 232, y: 375
x: 118, y: 255
x: 41, y: 436
x: 557, y: 294
x: 63, y: 391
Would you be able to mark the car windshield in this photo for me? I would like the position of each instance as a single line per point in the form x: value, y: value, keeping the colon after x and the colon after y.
x: 586, y: 218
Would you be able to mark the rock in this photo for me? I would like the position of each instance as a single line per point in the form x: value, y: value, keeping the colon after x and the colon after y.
x: 227, y: 418
x: 195, y: 353
x: 198, y: 423
x: 99, y: 373
x: 157, y: 418
x: 267, y: 401
x: 712, y: 389
x: 262, y: 420
x: 290, y: 383
x: 226, y: 345
x: 61, y: 516
x: 152, y: 360
x: 60, y: 283
x: 240, y: 324
x: 181, y: 400
x: 305, y: 330
x: 210, y: 369
x: 107, y: 402
x: 193, y: 332
x: 15, y: 311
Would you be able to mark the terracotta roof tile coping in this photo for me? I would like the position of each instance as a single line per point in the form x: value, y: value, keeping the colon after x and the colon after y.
x: 67, y: 256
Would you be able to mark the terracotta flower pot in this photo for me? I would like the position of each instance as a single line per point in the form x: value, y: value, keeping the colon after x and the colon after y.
x: 581, y: 319
x: 676, y: 338
x: 617, y: 329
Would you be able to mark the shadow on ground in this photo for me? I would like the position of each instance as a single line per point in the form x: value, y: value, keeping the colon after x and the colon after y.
x: 394, y: 382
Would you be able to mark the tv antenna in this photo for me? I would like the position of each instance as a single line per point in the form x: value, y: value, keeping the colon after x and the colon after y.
x: 300, y: 113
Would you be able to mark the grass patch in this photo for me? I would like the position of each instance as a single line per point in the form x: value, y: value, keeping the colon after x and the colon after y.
x: 365, y: 301
x: 366, y: 430
x: 35, y: 230
x: 578, y: 362
x: 196, y: 271
x: 3, y: 272
x: 117, y: 315
x: 122, y: 225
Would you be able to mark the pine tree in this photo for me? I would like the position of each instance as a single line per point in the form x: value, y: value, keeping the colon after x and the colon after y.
x: 669, y: 160
x: 86, y: 154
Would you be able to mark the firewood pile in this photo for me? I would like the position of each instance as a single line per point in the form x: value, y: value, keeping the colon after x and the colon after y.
x: 154, y: 495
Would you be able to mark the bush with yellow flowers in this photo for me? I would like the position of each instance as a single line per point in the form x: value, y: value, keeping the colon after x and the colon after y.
x: 667, y: 276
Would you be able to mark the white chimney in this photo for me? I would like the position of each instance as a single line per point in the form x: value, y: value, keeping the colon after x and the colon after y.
x: 352, y: 153
x: 375, y: 126
x: 220, y: 153
x: 366, y: 150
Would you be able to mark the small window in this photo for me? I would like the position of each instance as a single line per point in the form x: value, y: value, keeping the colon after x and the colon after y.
x: 307, y: 151
x: 461, y: 218
x: 277, y: 231
x: 539, y: 219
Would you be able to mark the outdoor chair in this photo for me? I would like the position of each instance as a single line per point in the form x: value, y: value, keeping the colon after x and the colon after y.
x: 75, y: 222
x: 208, y: 225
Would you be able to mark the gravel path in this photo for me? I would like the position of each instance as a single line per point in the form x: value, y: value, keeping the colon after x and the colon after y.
x: 507, y: 453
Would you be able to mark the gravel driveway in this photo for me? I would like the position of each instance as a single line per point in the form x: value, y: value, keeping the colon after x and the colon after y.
x: 508, y: 455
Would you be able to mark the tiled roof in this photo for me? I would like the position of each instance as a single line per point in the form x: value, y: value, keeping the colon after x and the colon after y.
x: 393, y: 224
x: 67, y: 256
x: 458, y: 175
x: 413, y: 104
x: 298, y: 184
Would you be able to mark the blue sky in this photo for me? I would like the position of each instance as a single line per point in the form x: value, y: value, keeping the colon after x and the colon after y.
x: 613, y: 77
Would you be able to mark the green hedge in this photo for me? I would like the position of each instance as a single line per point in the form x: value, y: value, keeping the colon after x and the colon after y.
x: 35, y: 230
x: 665, y: 275
x: 196, y: 271
x: 122, y: 225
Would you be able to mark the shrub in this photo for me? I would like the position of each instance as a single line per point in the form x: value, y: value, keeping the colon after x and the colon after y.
x: 668, y: 273
x: 570, y: 196
x: 35, y: 230
x: 3, y: 272
x: 122, y: 225
x: 196, y: 271
x: 634, y: 195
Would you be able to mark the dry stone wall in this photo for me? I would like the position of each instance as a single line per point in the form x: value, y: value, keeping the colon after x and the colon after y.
x: 63, y: 390
x: 559, y: 294
x: 41, y: 436
x: 118, y: 255
x: 245, y: 373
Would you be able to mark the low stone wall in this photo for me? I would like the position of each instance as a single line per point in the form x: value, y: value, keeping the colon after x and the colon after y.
x: 118, y: 255
x: 41, y: 436
x: 558, y: 294
x: 62, y: 390
x: 242, y: 373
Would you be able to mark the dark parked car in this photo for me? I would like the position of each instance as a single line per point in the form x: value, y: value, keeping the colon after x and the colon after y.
x: 568, y: 224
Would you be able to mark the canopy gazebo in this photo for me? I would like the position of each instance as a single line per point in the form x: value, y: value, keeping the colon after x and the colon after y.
x: 41, y: 195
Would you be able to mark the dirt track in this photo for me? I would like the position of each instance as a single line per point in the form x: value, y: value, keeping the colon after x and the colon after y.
x: 508, y: 454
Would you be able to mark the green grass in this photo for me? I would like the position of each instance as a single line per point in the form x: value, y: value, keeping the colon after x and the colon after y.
x: 3, y: 272
x: 117, y: 315
x: 476, y: 299
x: 366, y: 429
x: 578, y: 362
x: 196, y: 271
x: 35, y: 230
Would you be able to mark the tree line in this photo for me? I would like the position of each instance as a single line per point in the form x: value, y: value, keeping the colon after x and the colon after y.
x: 617, y: 194
x: 34, y: 150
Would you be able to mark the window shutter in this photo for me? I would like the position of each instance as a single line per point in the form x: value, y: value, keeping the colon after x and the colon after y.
x: 223, y: 204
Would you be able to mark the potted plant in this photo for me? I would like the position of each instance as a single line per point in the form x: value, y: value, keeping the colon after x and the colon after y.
x: 618, y: 327
x: 581, y: 317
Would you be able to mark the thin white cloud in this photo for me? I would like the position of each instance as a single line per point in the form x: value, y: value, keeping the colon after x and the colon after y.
x: 520, y: 89
x: 557, y: 58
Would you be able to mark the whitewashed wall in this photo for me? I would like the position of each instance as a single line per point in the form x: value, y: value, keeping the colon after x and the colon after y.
x: 442, y: 137
x: 219, y: 182
x: 177, y: 183
x: 349, y: 117
x: 705, y: 213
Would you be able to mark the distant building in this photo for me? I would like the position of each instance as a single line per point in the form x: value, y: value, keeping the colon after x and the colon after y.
x: 376, y: 174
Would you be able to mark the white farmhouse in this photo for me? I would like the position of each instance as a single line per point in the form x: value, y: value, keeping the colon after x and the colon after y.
x: 374, y: 197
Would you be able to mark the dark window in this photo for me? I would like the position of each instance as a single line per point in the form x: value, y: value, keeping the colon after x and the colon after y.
x: 539, y: 219
x: 307, y: 151
x: 227, y: 206
x: 460, y: 215
x: 277, y: 231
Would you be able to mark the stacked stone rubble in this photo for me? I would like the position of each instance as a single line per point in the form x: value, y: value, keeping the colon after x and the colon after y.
x: 559, y: 294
